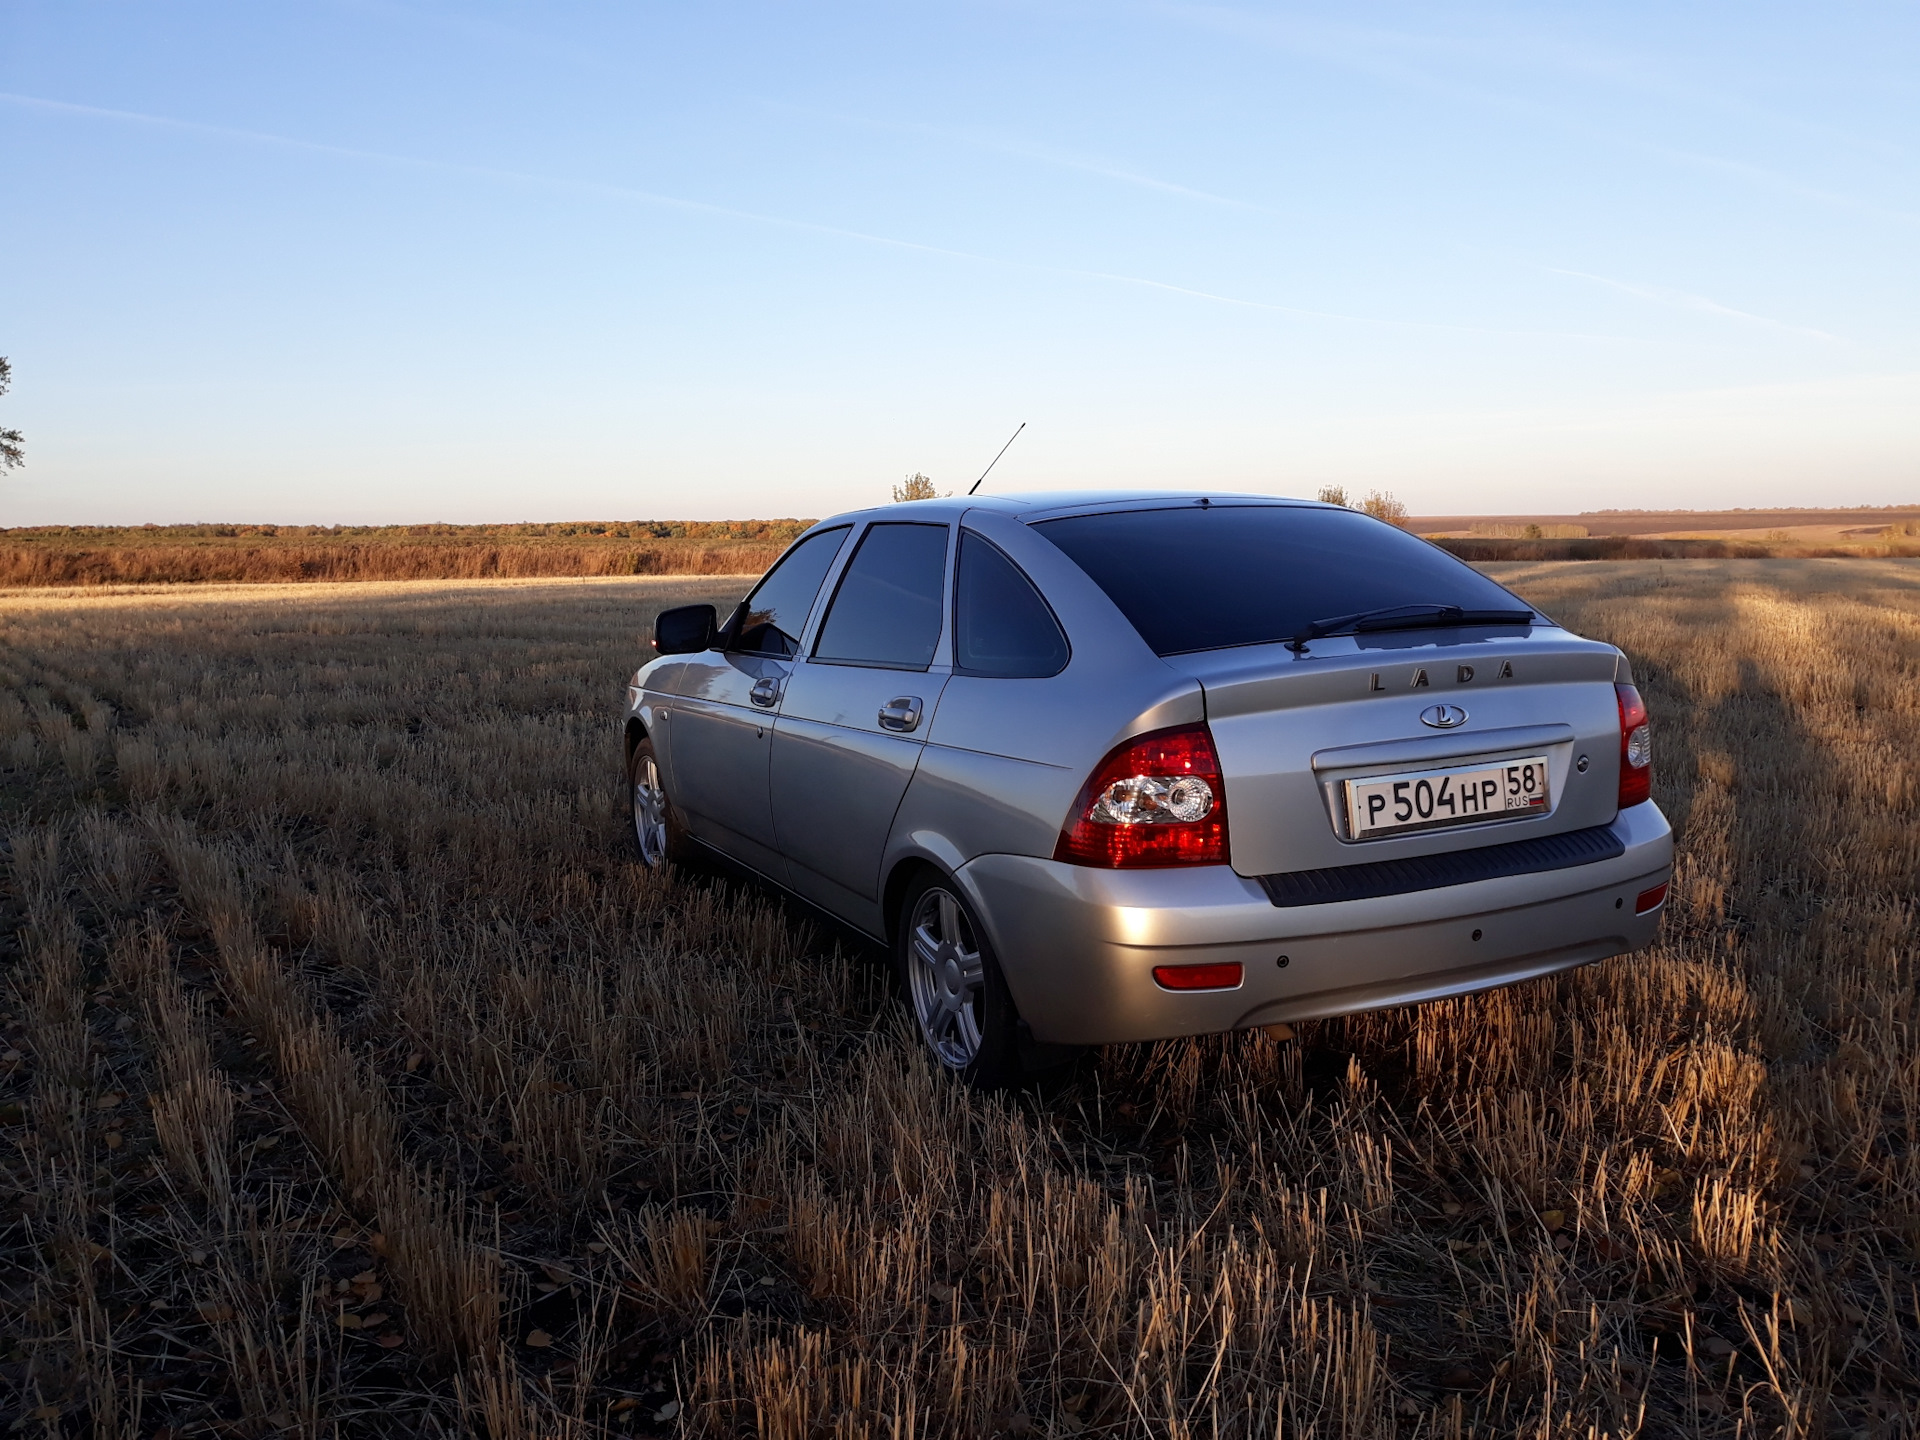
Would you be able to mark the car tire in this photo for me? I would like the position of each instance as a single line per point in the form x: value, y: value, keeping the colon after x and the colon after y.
x: 952, y: 985
x: 653, y: 826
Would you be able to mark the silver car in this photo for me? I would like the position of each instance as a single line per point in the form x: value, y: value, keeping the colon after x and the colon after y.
x: 1113, y: 767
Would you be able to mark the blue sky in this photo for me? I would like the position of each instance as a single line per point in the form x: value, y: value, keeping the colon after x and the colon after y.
x: 301, y: 261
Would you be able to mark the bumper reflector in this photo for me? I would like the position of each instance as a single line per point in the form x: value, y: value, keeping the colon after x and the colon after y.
x: 1650, y: 899
x: 1198, y: 977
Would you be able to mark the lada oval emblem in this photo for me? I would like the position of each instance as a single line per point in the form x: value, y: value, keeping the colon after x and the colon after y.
x: 1443, y: 717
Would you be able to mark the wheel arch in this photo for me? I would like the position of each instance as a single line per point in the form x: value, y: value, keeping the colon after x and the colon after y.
x: 636, y: 732
x: 899, y: 879
x: 1007, y: 1063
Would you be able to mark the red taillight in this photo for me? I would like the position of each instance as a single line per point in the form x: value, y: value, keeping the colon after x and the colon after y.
x: 1157, y: 800
x: 1197, y: 977
x: 1650, y: 899
x: 1636, y: 747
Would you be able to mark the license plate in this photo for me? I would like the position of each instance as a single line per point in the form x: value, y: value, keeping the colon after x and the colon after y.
x: 1389, y: 804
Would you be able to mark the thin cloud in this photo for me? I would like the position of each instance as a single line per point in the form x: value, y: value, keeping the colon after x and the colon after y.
x: 703, y: 207
x: 1760, y: 175
x: 1699, y: 304
x: 1067, y: 161
x: 483, y: 172
x: 1394, y: 58
x: 1040, y: 154
x: 1395, y: 323
x: 493, y: 32
x: 1526, y: 51
x: 1085, y: 165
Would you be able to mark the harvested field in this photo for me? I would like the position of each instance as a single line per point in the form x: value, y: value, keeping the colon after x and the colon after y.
x: 1857, y: 523
x: 1766, y: 545
x: 356, y: 1083
x: 1891, y: 531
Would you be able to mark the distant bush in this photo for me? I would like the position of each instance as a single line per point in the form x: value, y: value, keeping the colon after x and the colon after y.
x: 915, y: 487
x: 1382, y: 506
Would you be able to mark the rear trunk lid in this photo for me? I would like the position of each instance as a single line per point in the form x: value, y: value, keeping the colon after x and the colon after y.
x: 1293, y: 730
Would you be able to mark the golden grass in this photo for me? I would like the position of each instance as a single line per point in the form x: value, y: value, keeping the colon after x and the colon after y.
x: 356, y: 1082
x: 1553, y: 543
x: 181, y: 554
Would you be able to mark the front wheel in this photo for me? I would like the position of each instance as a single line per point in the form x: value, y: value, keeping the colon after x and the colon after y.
x: 949, y: 976
x: 655, y: 831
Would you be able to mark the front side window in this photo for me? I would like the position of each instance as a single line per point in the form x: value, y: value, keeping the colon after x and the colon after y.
x: 1206, y: 577
x: 1002, y: 628
x: 887, y: 609
x: 772, y: 617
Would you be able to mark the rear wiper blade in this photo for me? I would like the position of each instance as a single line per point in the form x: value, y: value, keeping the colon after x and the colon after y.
x: 1405, y: 617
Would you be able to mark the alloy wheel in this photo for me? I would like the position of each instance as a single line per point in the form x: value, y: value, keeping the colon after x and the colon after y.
x: 947, y: 977
x: 649, y: 813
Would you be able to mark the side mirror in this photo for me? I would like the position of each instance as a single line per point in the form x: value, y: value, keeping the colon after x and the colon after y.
x: 684, y: 630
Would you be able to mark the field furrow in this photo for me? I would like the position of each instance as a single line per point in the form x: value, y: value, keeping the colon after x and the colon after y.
x: 357, y: 1083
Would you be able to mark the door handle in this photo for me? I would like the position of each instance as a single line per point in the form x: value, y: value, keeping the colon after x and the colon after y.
x: 765, y: 692
x: 901, y: 713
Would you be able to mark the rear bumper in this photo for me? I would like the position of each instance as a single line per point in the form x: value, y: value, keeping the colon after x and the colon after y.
x: 1079, y: 945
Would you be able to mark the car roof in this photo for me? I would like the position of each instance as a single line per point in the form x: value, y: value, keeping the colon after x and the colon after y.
x: 1052, y: 504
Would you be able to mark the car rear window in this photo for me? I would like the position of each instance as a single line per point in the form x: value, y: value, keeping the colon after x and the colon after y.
x: 1004, y: 629
x: 1207, y: 577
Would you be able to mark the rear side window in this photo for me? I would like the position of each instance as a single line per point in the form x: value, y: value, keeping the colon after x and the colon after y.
x: 775, y: 613
x: 1002, y: 627
x: 1206, y: 577
x: 887, y: 609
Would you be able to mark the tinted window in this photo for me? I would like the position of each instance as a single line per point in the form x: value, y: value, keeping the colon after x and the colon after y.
x: 776, y: 611
x: 1206, y: 577
x: 1002, y: 626
x: 887, y: 609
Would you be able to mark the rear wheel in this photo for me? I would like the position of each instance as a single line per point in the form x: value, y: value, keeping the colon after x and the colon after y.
x: 953, y: 983
x: 658, y: 839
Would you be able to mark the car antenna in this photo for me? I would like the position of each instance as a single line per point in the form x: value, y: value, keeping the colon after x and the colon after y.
x: 996, y: 459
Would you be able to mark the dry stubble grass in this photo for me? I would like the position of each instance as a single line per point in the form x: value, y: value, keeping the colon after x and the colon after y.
x: 357, y: 1083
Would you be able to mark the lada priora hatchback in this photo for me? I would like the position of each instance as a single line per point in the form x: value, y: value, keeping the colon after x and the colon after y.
x: 1109, y: 767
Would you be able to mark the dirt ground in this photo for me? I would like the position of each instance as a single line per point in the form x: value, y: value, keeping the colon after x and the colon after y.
x: 355, y: 1082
